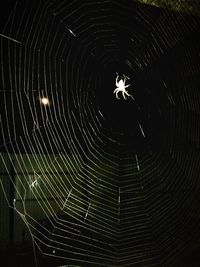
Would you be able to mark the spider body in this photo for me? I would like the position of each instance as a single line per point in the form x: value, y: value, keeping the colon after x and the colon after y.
x: 121, y: 87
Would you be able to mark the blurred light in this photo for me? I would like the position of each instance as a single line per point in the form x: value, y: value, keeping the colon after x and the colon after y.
x: 45, y: 101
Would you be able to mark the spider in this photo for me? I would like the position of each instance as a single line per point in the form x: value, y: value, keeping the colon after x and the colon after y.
x: 121, y: 87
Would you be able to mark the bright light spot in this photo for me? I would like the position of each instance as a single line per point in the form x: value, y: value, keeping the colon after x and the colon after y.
x: 45, y: 101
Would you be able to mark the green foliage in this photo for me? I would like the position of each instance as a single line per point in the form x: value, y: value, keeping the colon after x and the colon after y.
x: 185, y: 6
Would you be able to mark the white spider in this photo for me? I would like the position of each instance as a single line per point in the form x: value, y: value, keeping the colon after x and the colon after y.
x: 121, y: 87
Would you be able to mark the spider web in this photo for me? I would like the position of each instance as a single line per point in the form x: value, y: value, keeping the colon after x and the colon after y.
x: 91, y: 188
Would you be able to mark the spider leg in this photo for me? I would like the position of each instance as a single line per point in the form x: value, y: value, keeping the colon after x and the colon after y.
x: 123, y: 93
x: 127, y: 93
x: 117, y: 95
x: 116, y: 81
x: 126, y: 77
x: 115, y: 90
x: 127, y: 85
